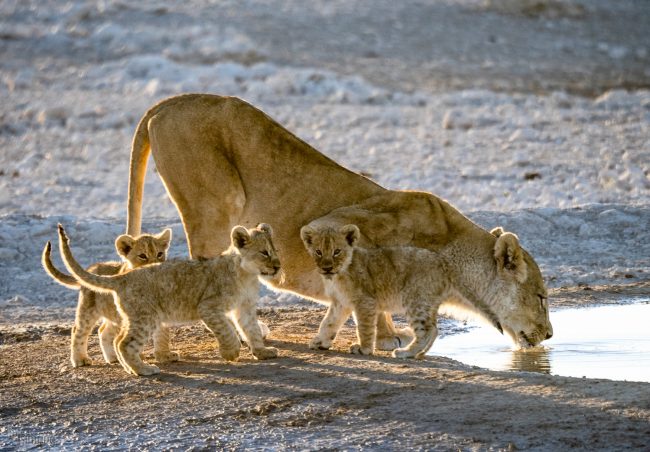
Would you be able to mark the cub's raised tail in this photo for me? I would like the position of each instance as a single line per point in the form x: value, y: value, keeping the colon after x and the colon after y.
x: 98, y: 283
x: 56, y: 274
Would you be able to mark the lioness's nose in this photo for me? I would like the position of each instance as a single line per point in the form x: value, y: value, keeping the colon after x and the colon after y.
x: 549, y: 335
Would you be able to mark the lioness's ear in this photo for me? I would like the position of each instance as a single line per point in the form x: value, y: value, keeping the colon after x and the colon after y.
x: 307, y: 234
x: 497, y: 232
x: 351, y: 233
x: 124, y: 244
x: 265, y: 228
x: 239, y: 236
x: 165, y: 238
x: 510, y: 256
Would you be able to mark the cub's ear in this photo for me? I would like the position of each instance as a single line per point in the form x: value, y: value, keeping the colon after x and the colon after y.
x: 351, y: 233
x: 510, y: 256
x: 165, y: 238
x: 265, y: 228
x: 239, y: 236
x: 307, y: 234
x: 497, y: 232
x: 124, y: 244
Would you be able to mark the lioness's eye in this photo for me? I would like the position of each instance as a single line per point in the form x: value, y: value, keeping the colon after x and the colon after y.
x: 264, y: 253
x: 337, y: 252
x: 319, y: 253
x: 542, y: 301
x: 142, y: 256
x: 161, y: 255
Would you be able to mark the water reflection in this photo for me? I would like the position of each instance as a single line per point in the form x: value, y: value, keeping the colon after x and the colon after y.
x: 598, y: 342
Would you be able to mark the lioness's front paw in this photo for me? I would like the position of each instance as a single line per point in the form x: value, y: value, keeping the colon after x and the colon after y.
x: 319, y: 344
x: 266, y: 353
x: 230, y: 354
x: 356, y: 349
x: 403, y: 353
x: 166, y: 357
x: 264, y: 329
x: 80, y: 361
x: 147, y: 369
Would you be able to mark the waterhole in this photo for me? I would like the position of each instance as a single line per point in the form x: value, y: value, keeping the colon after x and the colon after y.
x: 610, y: 342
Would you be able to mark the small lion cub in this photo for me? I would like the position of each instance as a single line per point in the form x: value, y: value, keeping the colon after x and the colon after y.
x: 186, y: 290
x: 92, y: 306
x: 364, y: 281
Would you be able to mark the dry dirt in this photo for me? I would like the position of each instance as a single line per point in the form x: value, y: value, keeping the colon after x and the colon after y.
x: 304, y: 399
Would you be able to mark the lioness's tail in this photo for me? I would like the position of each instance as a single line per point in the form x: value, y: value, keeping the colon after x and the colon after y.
x: 56, y: 274
x: 140, y: 150
x: 97, y: 283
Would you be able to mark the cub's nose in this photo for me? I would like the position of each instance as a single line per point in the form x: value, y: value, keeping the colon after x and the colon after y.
x: 327, y: 269
x: 549, y: 335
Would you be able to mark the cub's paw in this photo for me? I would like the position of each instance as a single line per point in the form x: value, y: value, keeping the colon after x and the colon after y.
x: 356, y: 349
x: 266, y: 353
x: 80, y: 361
x: 230, y: 354
x: 147, y: 370
x: 167, y: 357
x: 318, y: 343
x: 388, y: 343
x: 403, y: 353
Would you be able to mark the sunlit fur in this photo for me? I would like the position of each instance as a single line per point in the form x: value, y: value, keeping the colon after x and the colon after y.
x: 419, y: 283
x: 216, y: 291
x: 135, y: 252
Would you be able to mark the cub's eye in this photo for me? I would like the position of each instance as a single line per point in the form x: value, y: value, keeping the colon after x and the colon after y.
x: 336, y: 252
x: 160, y: 255
x: 142, y: 257
x: 319, y: 253
x: 264, y: 253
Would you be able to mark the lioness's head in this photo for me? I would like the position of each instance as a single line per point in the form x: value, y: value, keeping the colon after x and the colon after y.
x: 331, y: 248
x: 256, y: 249
x: 143, y: 249
x: 526, y: 318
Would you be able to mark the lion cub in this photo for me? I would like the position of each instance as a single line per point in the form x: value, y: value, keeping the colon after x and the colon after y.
x: 180, y: 291
x: 135, y: 252
x: 363, y: 281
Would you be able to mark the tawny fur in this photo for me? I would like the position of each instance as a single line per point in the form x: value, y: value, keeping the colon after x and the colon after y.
x: 93, y: 306
x: 413, y: 281
x: 215, y: 291
x: 224, y: 162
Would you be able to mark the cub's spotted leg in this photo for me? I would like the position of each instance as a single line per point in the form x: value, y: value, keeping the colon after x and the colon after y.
x: 161, y: 345
x: 85, y: 320
x: 337, y: 314
x: 365, y: 315
x: 108, y: 331
x: 246, y: 318
x: 129, y: 345
x: 216, y: 320
x: 423, y: 321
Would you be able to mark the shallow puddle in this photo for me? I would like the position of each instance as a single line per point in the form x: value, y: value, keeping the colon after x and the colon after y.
x: 596, y: 342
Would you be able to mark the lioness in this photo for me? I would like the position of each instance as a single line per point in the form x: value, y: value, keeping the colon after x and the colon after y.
x: 224, y: 162
x: 412, y: 280
x: 180, y: 291
x: 135, y: 252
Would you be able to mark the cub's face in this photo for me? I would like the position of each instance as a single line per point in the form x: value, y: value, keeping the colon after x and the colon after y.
x: 256, y: 248
x: 143, y: 249
x: 331, y: 248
